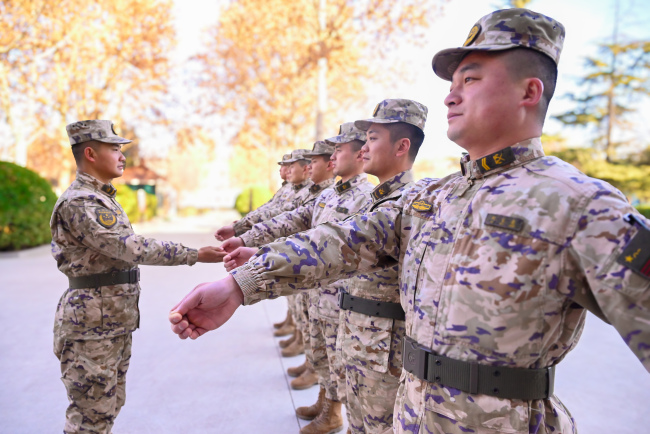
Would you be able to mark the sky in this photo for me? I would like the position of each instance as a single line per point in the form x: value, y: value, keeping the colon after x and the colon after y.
x: 586, y: 22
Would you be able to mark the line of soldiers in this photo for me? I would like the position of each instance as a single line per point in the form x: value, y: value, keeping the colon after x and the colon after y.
x: 458, y: 296
x: 357, y: 364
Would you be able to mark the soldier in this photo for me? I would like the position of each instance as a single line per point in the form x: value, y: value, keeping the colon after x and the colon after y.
x: 95, y: 247
x: 499, y: 262
x: 334, y: 204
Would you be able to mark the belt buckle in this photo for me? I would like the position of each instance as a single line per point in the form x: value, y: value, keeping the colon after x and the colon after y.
x: 342, y: 294
x: 414, y: 358
x: 134, y: 275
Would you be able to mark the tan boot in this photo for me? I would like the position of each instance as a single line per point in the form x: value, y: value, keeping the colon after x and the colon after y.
x: 296, y: 347
x: 310, y: 413
x: 285, y: 330
x: 328, y: 421
x: 297, y: 371
x: 306, y: 379
x: 286, y: 342
x: 286, y: 320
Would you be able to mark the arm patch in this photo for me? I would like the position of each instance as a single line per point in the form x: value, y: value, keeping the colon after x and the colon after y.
x: 106, y: 217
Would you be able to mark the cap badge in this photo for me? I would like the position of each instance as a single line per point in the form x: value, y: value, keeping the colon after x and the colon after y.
x: 374, y: 113
x: 473, y: 33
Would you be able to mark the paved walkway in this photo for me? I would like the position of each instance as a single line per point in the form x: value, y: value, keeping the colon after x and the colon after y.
x: 234, y: 380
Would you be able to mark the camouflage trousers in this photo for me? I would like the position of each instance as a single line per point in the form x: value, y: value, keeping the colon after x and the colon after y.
x: 94, y: 375
x: 325, y: 360
x: 423, y: 407
x: 371, y: 353
x: 301, y: 318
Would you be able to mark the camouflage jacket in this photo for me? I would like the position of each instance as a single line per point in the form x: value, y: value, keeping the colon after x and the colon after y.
x: 302, y: 193
x: 498, y: 263
x: 365, y: 341
x: 91, y: 234
x: 333, y: 204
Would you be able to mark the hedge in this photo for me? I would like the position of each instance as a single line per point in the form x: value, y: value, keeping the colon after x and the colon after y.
x: 26, y: 203
x: 259, y: 195
x: 644, y: 209
x: 128, y: 198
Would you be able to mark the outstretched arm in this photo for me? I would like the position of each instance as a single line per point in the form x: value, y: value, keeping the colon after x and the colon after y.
x: 206, y: 308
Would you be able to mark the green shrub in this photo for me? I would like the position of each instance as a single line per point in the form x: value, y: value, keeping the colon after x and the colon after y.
x: 26, y: 203
x: 644, y: 209
x: 128, y: 198
x: 252, y: 198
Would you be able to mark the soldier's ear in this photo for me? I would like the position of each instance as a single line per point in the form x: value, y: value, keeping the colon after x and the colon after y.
x: 533, y: 91
x: 403, y: 146
x: 90, y: 154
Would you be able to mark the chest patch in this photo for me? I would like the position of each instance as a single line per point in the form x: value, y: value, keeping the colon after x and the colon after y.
x: 504, y: 222
x: 636, y: 255
x: 342, y: 210
x: 106, y: 217
x: 421, y: 206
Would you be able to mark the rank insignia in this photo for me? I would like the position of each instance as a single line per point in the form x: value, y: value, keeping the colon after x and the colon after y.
x: 314, y: 188
x: 421, y: 206
x: 341, y: 210
x: 504, y: 222
x: 498, y: 159
x: 109, y: 189
x: 106, y: 217
x: 343, y: 187
x: 380, y: 192
x: 473, y: 33
x: 636, y: 255
x: 321, y: 204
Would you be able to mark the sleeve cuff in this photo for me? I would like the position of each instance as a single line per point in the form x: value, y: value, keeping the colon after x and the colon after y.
x: 192, y: 256
x: 250, y: 283
x: 247, y: 239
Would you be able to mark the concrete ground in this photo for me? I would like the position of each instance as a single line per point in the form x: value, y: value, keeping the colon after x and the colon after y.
x: 234, y: 380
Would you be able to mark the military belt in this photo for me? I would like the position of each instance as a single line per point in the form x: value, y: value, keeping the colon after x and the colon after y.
x: 368, y: 307
x: 471, y: 377
x: 105, y: 279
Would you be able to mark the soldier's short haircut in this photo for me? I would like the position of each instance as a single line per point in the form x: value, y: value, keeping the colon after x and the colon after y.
x: 402, y: 130
x: 356, y: 145
x: 325, y: 157
x: 524, y: 63
x: 303, y: 163
x: 79, y: 148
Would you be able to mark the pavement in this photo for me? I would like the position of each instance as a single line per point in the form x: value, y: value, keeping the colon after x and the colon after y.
x: 234, y: 380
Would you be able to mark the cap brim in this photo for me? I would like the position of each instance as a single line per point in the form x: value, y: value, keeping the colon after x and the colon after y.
x: 445, y: 62
x: 342, y: 138
x: 364, y: 125
x: 312, y: 154
x: 115, y: 140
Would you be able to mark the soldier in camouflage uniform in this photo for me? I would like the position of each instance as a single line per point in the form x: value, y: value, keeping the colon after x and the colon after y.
x: 499, y: 262
x: 94, y: 245
x: 333, y: 204
x: 285, y: 191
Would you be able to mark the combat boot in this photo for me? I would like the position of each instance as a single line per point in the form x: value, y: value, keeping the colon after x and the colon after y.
x: 287, y: 320
x: 296, y: 347
x: 306, y: 379
x: 310, y: 413
x: 285, y: 330
x: 286, y: 342
x: 328, y: 421
x: 297, y: 371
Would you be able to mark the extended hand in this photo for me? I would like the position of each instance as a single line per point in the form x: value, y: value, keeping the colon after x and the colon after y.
x: 224, y: 233
x: 238, y: 257
x: 211, y: 254
x: 206, y: 308
x: 231, y: 244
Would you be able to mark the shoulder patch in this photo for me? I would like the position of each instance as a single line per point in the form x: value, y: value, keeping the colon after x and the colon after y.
x: 636, y: 255
x: 421, y: 206
x: 106, y: 217
x: 503, y: 222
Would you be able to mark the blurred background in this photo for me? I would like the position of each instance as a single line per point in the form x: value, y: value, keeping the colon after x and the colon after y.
x: 213, y: 93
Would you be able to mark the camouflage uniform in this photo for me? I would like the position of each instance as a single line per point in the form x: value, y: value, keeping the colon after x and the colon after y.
x: 91, y: 234
x: 284, y: 192
x: 499, y: 264
x: 301, y: 193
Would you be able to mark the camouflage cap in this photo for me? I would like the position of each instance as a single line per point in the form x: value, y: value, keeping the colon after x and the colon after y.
x: 101, y: 131
x: 297, y: 155
x: 321, y: 148
x: 390, y: 111
x: 285, y: 157
x: 502, y: 30
x: 347, y: 133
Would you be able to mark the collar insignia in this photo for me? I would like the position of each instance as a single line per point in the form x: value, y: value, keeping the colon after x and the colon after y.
x: 496, y: 160
x: 109, y: 189
x: 636, y: 255
x: 380, y: 192
x: 343, y: 187
x: 421, y: 206
x: 314, y: 188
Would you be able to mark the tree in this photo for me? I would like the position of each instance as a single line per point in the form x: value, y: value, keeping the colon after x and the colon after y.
x: 266, y: 56
x: 67, y: 60
x: 615, y: 79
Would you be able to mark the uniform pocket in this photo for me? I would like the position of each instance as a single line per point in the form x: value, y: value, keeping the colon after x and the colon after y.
x: 92, y: 374
x: 80, y: 312
x: 367, y: 341
x: 120, y: 308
